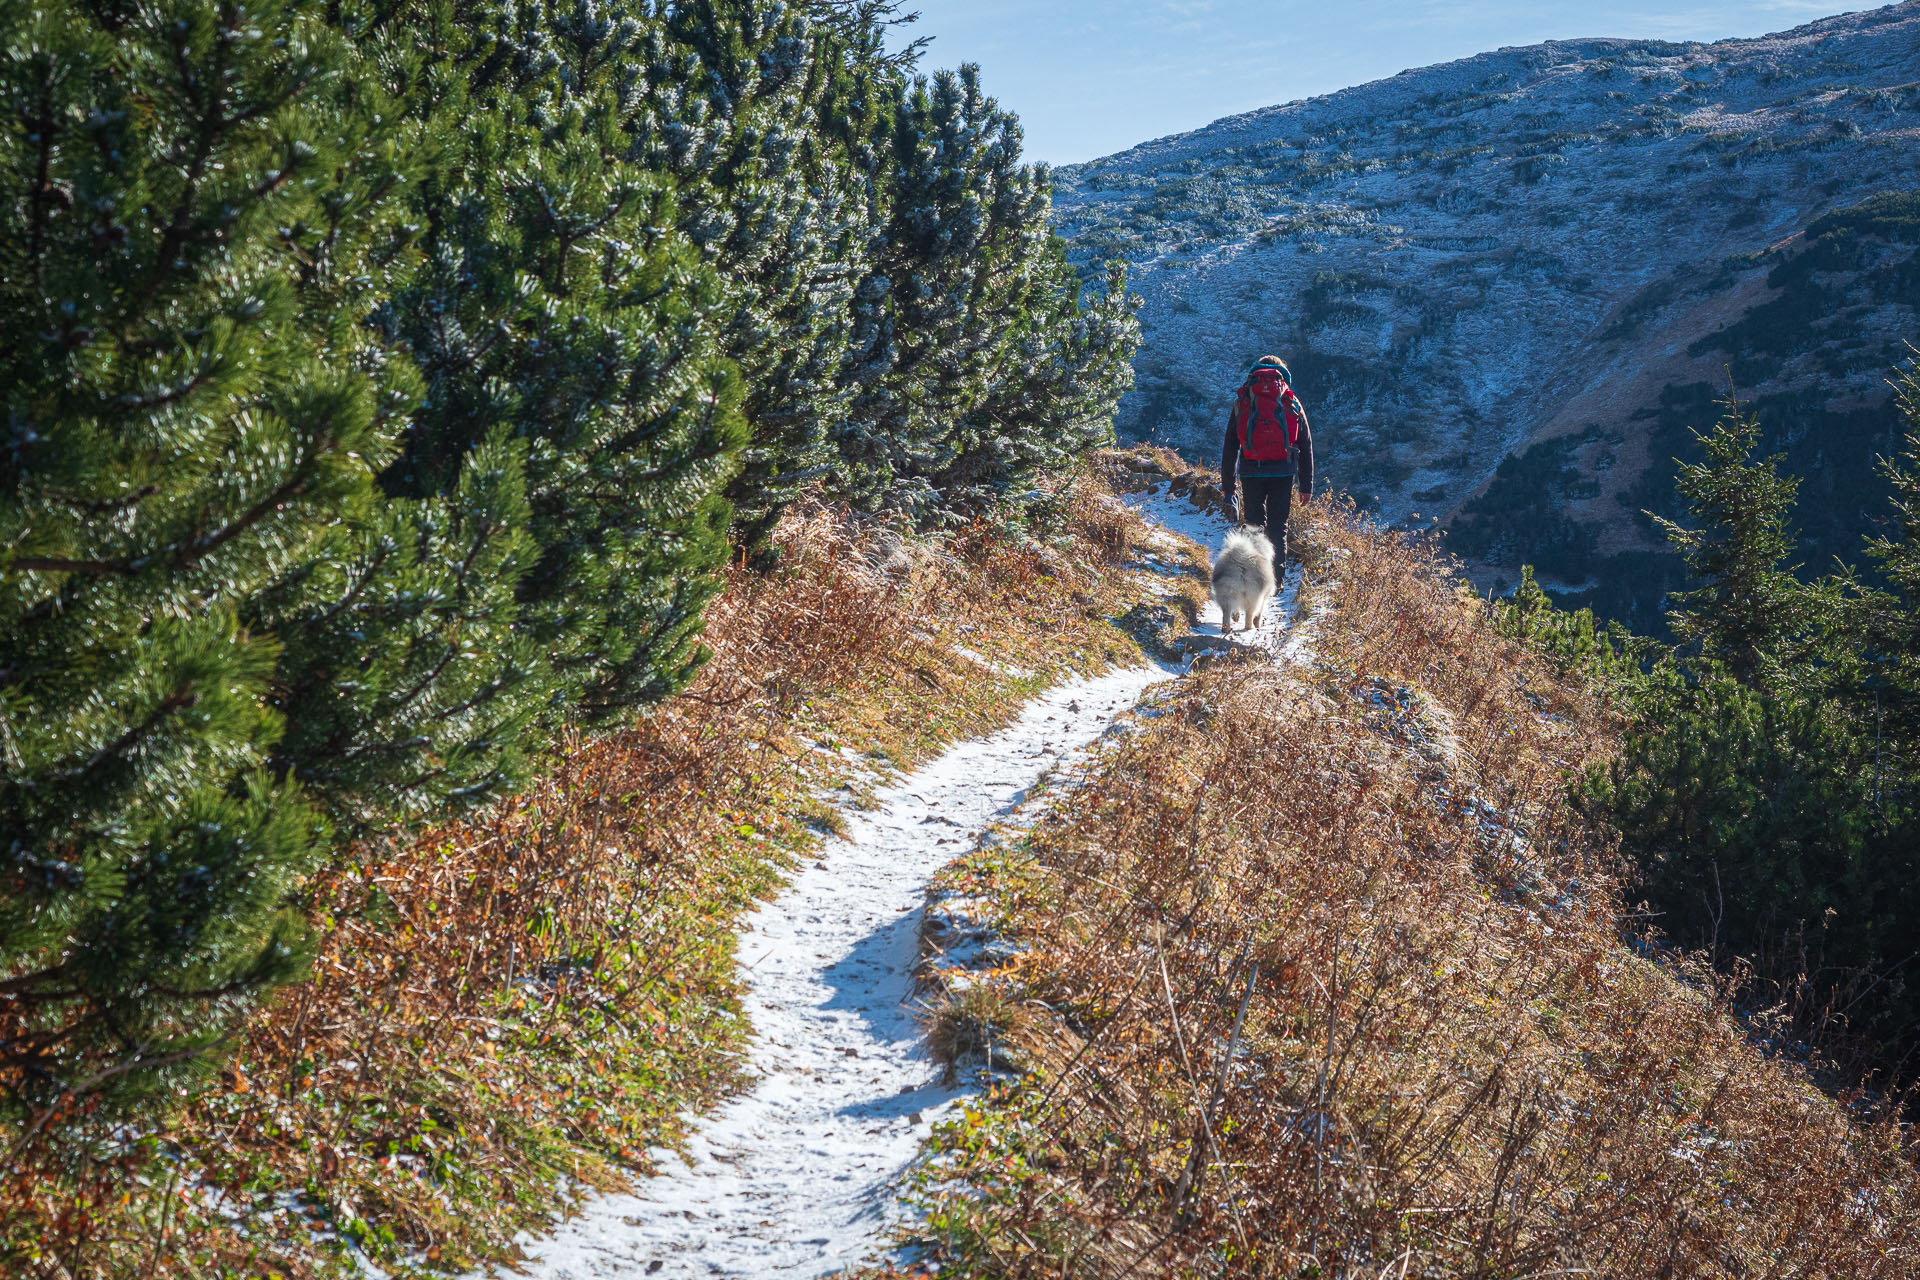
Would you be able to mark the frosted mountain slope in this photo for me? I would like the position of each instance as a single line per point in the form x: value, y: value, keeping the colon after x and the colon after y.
x: 1534, y: 243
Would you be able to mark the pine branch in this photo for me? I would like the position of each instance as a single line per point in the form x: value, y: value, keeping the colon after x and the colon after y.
x: 186, y: 555
x: 43, y: 125
x: 178, y: 701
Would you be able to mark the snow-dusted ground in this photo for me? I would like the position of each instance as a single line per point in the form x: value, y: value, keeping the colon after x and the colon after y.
x: 798, y: 1176
x: 795, y: 1177
x: 1283, y: 635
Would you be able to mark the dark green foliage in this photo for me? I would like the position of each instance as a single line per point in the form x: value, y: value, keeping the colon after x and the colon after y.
x: 1056, y: 399
x: 844, y: 206
x: 1573, y: 639
x: 408, y: 682
x: 377, y: 380
x: 1888, y: 621
x: 984, y: 365
x: 1831, y: 448
x: 1769, y: 827
x: 558, y: 313
x: 1767, y: 788
x: 198, y: 201
x: 1749, y: 612
x: 774, y: 129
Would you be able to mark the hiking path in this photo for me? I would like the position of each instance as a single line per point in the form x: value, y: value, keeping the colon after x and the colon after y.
x: 799, y: 1175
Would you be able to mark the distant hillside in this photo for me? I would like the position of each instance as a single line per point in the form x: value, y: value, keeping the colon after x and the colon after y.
x: 1509, y: 284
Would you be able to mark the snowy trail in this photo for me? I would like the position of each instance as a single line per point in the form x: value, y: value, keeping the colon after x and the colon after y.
x: 796, y: 1176
x: 1172, y: 516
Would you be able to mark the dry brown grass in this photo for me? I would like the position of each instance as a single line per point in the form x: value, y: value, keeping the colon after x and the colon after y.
x: 1453, y: 1061
x: 542, y: 994
x: 978, y: 1025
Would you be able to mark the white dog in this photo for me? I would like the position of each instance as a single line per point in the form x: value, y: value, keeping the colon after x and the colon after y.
x: 1243, y: 577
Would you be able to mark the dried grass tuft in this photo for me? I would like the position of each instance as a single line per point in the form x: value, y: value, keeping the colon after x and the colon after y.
x: 1455, y: 1058
x: 977, y: 1024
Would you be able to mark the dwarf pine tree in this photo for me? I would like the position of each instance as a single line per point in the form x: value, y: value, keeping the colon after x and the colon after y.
x: 773, y: 129
x: 1743, y: 794
x: 1070, y: 362
x: 980, y: 362
x: 560, y: 314
x: 199, y: 203
x: 407, y: 682
x: 963, y: 214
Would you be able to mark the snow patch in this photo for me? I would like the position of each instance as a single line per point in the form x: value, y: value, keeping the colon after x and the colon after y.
x: 797, y: 1176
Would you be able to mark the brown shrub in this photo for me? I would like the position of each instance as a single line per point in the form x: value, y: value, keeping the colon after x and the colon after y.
x: 1454, y: 1060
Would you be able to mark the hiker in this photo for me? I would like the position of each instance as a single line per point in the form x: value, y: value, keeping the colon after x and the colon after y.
x: 1270, y: 445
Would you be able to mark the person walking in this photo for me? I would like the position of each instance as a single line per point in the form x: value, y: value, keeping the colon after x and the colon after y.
x: 1270, y: 447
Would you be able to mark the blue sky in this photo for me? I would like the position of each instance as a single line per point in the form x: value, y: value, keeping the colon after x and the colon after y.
x: 1089, y: 79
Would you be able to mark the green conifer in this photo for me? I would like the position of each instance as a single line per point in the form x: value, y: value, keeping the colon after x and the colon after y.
x: 980, y: 363
x: 773, y: 128
x: 199, y: 203
x: 407, y: 683
x: 1071, y: 361
x: 1889, y: 621
x: 560, y: 311
x: 1768, y: 811
x: 1750, y: 611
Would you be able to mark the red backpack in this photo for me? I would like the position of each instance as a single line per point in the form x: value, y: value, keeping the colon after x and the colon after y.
x: 1266, y: 402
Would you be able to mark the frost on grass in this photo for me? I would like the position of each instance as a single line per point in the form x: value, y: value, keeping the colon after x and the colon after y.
x: 1450, y: 1061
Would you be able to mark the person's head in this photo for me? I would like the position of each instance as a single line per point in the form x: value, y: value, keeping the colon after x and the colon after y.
x: 1273, y: 362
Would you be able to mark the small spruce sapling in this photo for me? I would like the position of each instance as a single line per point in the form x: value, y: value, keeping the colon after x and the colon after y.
x: 1750, y: 612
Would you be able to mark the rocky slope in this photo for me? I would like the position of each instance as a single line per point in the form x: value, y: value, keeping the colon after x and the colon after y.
x: 1509, y: 284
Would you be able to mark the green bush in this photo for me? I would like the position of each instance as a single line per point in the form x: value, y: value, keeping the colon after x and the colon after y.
x: 1768, y: 786
x: 989, y: 366
x: 560, y: 319
x: 201, y: 203
x: 377, y: 379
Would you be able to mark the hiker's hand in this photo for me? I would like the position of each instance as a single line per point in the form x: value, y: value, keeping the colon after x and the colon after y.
x: 1231, y: 508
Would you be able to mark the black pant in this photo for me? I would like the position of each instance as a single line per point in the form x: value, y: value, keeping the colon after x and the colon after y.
x: 1266, y: 502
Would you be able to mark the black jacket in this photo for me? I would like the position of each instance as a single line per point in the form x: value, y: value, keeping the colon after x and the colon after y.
x: 1303, y: 455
